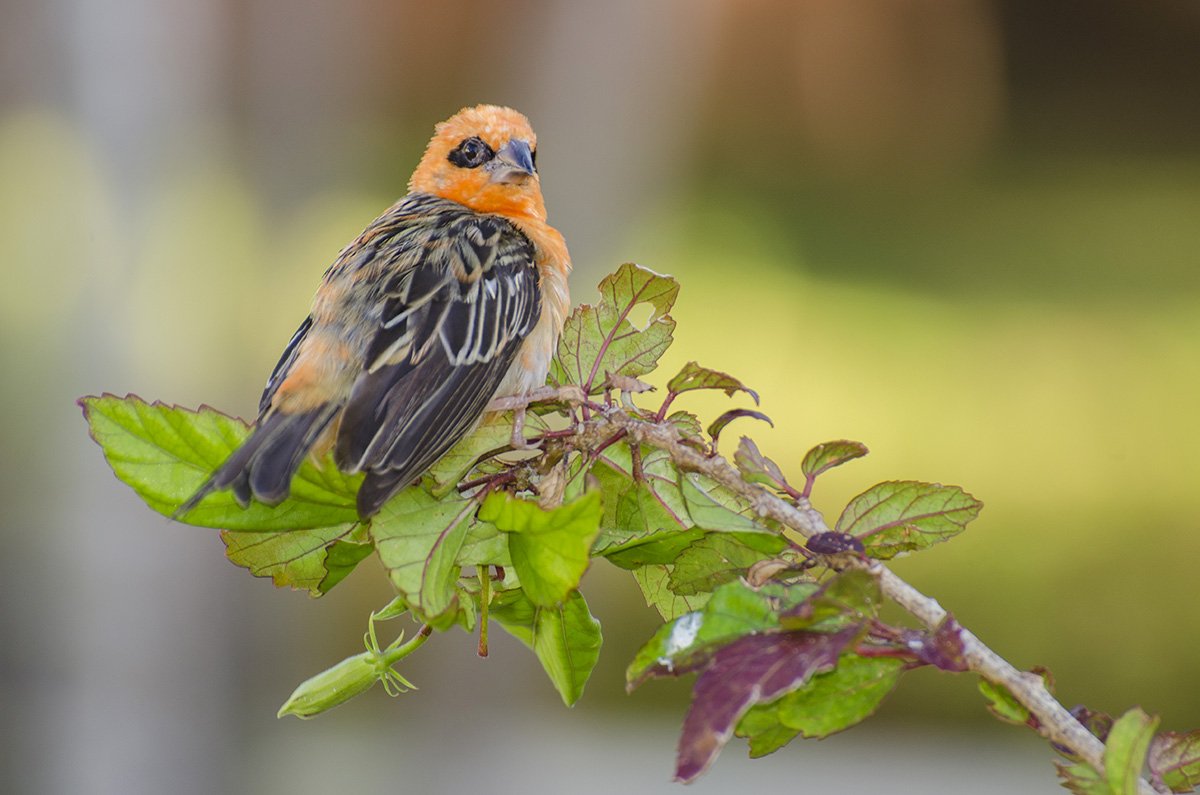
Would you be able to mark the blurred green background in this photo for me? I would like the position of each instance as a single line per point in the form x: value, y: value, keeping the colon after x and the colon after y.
x: 966, y: 233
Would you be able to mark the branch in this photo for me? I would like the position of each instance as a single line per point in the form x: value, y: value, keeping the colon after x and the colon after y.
x: 1054, y: 722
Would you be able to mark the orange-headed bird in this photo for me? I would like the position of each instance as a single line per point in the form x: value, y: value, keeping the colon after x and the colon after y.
x: 455, y: 295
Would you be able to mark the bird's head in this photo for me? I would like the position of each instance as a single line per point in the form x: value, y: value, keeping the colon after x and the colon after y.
x: 485, y: 158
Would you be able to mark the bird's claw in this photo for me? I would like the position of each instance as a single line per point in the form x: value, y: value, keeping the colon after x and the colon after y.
x: 518, y: 441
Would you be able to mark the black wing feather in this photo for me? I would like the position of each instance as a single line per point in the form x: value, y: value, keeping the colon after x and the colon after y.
x: 286, y: 359
x: 452, y: 296
x: 450, y: 330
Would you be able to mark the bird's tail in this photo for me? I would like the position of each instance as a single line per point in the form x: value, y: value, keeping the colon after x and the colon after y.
x: 378, y: 487
x: 262, y: 468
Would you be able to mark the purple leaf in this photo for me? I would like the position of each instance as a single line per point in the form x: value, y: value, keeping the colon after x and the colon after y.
x: 718, y: 425
x: 941, y: 649
x: 1098, y: 723
x: 1175, y: 760
x: 751, y: 670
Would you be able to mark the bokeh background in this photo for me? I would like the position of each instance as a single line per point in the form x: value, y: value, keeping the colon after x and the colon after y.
x: 965, y: 232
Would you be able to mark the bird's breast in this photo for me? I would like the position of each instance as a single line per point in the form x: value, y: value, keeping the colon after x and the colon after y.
x: 529, y: 369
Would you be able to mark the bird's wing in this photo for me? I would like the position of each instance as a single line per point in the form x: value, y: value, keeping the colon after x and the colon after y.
x: 283, y: 366
x: 453, y: 318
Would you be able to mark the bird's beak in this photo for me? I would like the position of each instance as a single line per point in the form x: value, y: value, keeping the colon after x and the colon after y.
x: 513, y: 163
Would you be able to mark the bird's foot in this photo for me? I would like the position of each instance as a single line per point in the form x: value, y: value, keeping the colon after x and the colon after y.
x: 566, y: 394
x: 518, y: 441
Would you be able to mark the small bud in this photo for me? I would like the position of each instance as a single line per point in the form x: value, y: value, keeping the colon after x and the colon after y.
x: 834, y: 543
x: 334, y: 686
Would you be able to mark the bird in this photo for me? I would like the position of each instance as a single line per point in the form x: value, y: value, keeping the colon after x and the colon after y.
x: 455, y: 295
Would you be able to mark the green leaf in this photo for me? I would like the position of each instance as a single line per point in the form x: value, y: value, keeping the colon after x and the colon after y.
x: 716, y: 559
x: 165, y: 453
x: 341, y: 558
x: 714, y: 507
x: 1175, y: 760
x: 841, y: 698
x: 828, y: 455
x: 485, y: 545
x: 419, y: 538
x: 830, y: 703
x: 688, y: 425
x: 653, y: 580
x: 549, y: 549
x: 693, y: 376
x: 494, y: 431
x: 848, y: 597
x: 734, y: 610
x: 637, y: 512
x: 1003, y: 704
x: 1125, y: 751
x: 901, y: 516
x: 566, y: 638
x: 756, y: 467
x: 301, y: 559
x: 763, y: 730
x: 1082, y: 779
x: 662, y: 548
x: 601, y: 339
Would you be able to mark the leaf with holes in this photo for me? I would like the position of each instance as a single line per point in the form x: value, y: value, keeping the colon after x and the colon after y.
x: 165, y: 453
x: 906, y: 515
x: 601, y: 338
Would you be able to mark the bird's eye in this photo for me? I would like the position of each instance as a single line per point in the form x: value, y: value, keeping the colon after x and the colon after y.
x: 471, y: 153
x: 533, y: 155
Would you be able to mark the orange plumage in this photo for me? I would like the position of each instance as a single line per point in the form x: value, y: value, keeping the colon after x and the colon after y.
x: 455, y: 295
